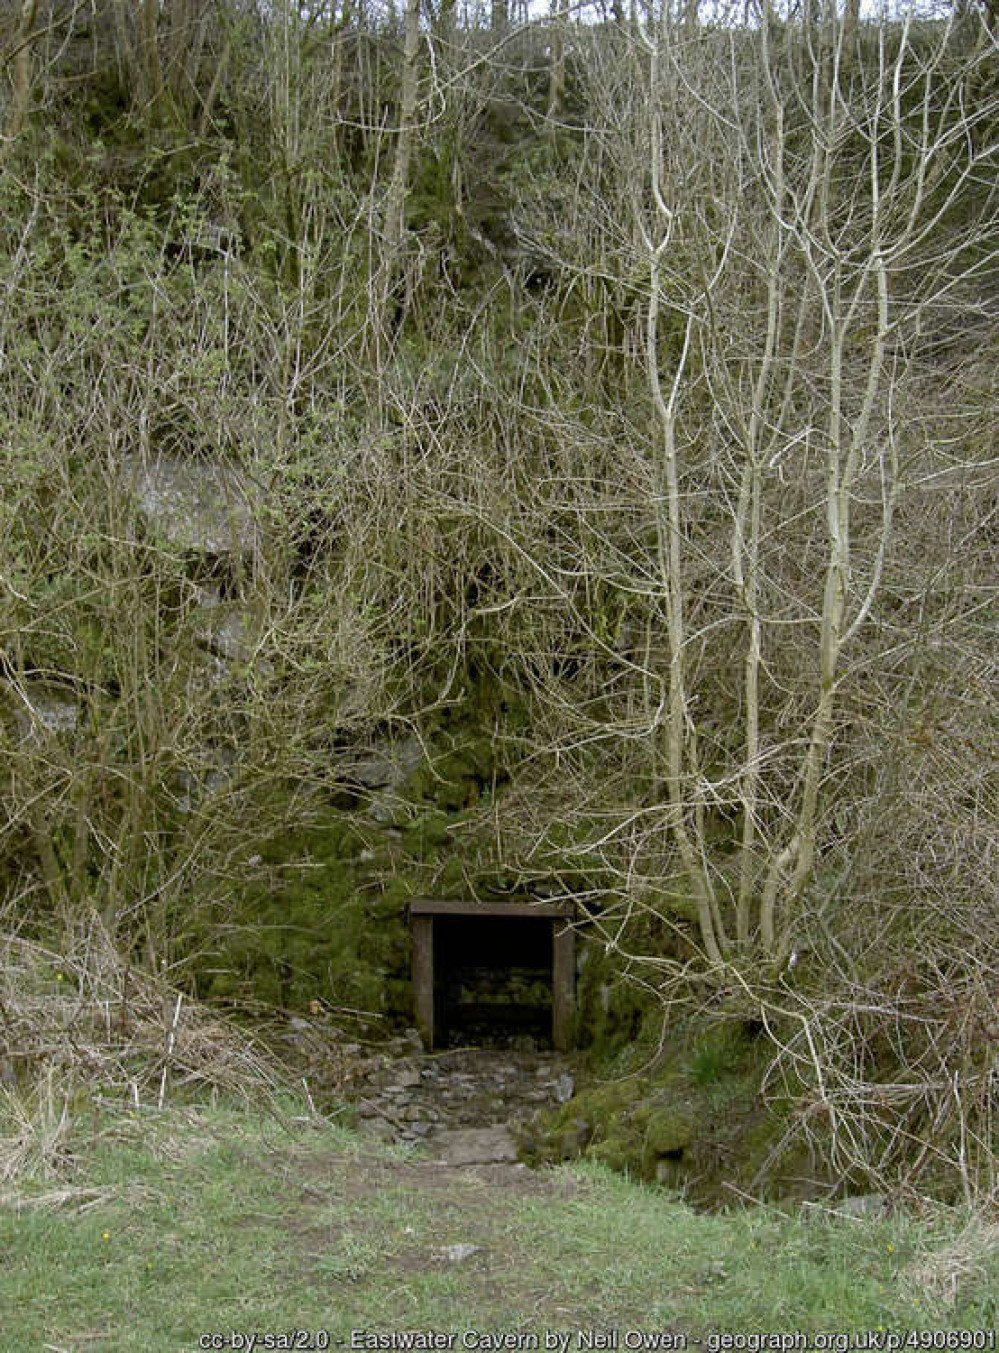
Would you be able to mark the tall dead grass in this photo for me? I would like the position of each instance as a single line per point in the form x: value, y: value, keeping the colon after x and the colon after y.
x: 85, y: 1025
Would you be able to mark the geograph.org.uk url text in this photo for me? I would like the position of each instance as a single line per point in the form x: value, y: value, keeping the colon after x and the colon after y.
x: 602, y: 1341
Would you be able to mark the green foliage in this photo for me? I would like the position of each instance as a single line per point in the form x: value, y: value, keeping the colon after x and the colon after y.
x: 314, y: 931
x: 610, y: 1008
x: 426, y: 835
x: 716, y: 1054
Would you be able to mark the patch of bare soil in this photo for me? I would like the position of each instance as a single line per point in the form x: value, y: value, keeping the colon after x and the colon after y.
x: 430, y: 1216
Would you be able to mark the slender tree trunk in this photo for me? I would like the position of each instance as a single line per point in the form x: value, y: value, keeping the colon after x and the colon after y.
x: 851, y: 22
x: 21, y: 77
x: 747, y: 532
x: 394, y: 228
x: 55, y: 884
x: 338, y: 36
x: 151, y: 56
x: 678, y: 722
x: 208, y: 104
x: 556, y: 78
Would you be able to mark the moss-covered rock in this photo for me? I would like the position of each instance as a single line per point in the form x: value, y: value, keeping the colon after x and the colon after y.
x: 610, y: 1007
x: 329, y: 919
x: 320, y: 925
x: 688, y: 1117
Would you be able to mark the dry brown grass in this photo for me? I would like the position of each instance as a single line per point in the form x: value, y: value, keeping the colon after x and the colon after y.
x: 940, y: 1275
x: 85, y: 1025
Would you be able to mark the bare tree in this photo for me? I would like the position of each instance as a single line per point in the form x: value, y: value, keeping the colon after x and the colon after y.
x: 810, y: 238
x: 782, y: 325
x: 19, y: 59
x: 395, y: 196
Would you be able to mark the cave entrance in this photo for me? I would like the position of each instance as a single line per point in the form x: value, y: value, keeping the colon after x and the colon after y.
x: 485, y: 972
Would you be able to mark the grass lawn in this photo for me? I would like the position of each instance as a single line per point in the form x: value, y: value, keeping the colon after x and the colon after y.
x: 160, y: 1232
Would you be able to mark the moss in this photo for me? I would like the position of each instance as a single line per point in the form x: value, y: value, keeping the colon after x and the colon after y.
x: 318, y: 928
x: 398, y: 892
x: 610, y: 1008
x: 669, y: 1129
x: 382, y: 911
x: 686, y: 1114
x: 451, y: 879
x: 421, y: 785
x: 616, y: 1152
x: 397, y: 997
x: 426, y: 836
x: 336, y: 841
x: 717, y: 1054
x: 454, y: 779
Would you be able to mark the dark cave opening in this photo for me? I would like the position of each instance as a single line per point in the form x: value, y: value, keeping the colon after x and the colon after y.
x: 493, y: 981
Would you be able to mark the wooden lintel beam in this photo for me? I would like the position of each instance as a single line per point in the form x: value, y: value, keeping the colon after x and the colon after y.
x: 423, y: 906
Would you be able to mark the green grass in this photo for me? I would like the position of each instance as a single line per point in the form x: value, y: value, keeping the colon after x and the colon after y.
x: 165, y: 1228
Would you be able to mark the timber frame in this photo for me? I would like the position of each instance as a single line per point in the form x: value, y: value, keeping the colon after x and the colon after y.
x: 561, y: 916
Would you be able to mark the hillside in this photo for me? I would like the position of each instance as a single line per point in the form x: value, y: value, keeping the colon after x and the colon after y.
x: 498, y: 462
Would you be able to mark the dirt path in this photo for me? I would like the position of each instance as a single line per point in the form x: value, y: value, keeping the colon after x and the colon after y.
x: 458, y: 1234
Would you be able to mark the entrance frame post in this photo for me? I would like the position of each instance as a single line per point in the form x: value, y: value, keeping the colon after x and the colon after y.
x: 563, y: 984
x: 423, y: 977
